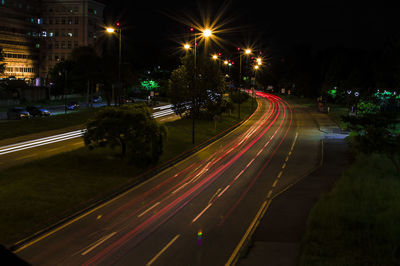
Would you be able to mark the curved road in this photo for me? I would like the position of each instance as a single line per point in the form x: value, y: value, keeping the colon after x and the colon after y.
x: 195, y: 213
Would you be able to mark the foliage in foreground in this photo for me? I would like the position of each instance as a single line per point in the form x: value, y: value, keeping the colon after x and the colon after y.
x: 376, y: 133
x: 132, y: 128
x: 358, y: 222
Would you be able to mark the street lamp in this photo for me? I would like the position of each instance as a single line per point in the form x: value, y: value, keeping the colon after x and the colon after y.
x: 256, y: 67
x: 205, y: 33
x: 117, y: 30
x: 186, y: 46
x: 246, y: 52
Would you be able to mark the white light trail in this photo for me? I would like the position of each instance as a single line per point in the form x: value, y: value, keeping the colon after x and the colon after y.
x: 164, y: 111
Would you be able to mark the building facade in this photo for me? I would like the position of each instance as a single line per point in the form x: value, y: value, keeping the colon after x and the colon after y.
x: 36, y: 34
x: 68, y: 24
x: 20, y: 24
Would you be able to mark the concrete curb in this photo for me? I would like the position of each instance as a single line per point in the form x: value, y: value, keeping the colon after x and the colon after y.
x: 141, y: 178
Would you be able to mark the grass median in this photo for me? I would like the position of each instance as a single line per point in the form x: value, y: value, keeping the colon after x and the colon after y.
x: 44, y: 191
x: 358, y: 222
x: 16, y: 128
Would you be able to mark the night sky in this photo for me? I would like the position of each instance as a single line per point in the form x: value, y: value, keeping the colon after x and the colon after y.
x: 274, y: 26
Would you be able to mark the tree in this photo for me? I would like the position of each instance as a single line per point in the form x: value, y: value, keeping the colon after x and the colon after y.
x: 204, y: 90
x: 59, y: 76
x: 375, y: 133
x: 239, y: 97
x: 132, y: 128
x: 88, y: 69
x: 2, y: 65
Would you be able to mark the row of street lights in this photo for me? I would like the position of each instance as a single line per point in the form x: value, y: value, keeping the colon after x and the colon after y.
x: 207, y: 33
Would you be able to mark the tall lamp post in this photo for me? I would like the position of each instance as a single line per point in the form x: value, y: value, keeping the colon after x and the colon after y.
x: 246, y: 52
x: 256, y: 68
x: 117, y: 30
x: 206, y: 33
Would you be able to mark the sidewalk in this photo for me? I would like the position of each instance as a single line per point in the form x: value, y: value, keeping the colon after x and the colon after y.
x: 277, y: 239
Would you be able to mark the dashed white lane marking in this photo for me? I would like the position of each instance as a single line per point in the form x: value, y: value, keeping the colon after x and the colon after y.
x: 149, y: 209
x: 163, y: 250
x: 98, y: 243
x: 201, y: 213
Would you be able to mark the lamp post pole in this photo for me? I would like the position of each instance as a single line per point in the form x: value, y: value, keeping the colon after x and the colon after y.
x: 65, y: 90
x: 194, y: 88
x: 240, y: 69
x: 119, y: 64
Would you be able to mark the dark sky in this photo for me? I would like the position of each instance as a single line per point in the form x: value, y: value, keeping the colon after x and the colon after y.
x: 274, y: 25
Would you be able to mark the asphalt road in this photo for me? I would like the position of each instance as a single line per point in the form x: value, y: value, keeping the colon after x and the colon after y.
x: 195, y: 213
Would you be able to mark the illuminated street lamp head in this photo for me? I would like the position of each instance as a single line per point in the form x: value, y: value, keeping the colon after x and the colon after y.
x: 207, y: 33
x: 247, y: 51
x: 110, y: 30
x: 215, y: 57
x: 259, y: 61
x: 226, y: 62
x: 186, y: 46
x: 256, y: 67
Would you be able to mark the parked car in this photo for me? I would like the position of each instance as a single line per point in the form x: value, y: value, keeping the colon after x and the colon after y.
x: 72, y: 106
x: 17, y: 113
x: 37, y: 111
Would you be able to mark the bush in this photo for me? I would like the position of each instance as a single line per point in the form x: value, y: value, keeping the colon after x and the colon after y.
x: 132, y: 128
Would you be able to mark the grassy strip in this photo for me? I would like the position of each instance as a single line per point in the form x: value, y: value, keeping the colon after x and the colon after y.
x: 42, y: 192
x: 15, y: 128
x: 358, y: 222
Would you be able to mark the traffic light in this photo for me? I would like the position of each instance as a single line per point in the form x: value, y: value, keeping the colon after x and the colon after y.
x: 117, y: 24
x: 238, y: 48
x: 191, y: 29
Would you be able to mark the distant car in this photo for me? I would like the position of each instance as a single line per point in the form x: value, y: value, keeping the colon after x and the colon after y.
x: 72, y: 106
x: 37, y: 111
x: 18, y: 113
x: 97, y: 99
x: 125, y: 100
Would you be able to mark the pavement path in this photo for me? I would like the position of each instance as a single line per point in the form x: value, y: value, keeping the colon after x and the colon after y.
x: 276, y: 241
